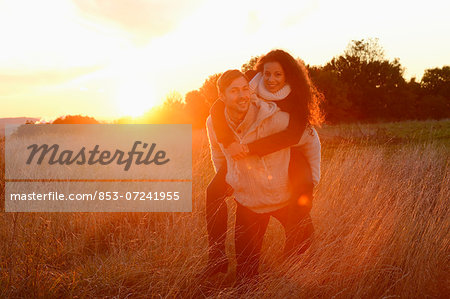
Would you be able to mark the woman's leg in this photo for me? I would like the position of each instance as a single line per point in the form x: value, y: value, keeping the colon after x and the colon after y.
x: 298, y: 227
x: 249, y: 235
x: 216, y: 221
x: 300, y: 178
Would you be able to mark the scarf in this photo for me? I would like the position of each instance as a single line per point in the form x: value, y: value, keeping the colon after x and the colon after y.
x: 257, y: 86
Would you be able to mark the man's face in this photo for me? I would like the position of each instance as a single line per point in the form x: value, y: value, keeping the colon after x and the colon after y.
x: 237, y: 96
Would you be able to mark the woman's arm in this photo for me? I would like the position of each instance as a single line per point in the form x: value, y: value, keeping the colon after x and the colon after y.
x: 286, y: 138
x: 223, y: 132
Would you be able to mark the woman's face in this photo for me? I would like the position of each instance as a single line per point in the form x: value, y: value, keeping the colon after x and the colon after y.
x: 274, y: 78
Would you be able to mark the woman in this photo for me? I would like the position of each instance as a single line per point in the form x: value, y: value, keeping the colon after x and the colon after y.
x: 281, y: 79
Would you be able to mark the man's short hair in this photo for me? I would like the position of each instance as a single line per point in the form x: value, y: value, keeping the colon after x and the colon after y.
x: 227, y: 78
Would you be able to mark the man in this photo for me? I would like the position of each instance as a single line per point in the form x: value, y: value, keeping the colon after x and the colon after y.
x: 260, y: 184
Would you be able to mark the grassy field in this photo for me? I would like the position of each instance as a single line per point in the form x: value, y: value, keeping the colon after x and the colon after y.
x: 381, y: 213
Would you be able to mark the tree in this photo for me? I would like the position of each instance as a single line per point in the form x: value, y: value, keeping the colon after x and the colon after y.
x: 434, y: 101
x: 437, y: 81
x: 250, y: 65
x: 375, y: 86
x: 75, y: 119
x: 197, y: 108
x: 173, y: 102
x: 432, y: 106
x: 172, y: 110
x: 368, y: 50
x: 209, y: 88
x: 336, y: 106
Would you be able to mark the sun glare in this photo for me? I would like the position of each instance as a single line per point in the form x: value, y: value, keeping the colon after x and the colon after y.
x: 135, y: 97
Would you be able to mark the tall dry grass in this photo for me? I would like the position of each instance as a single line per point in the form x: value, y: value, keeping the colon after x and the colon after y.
x: 382, y: 230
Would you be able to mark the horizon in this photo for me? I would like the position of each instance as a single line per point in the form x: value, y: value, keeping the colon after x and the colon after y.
x: 109, y: 61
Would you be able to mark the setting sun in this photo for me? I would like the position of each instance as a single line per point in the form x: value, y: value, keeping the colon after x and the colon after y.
x: 135, y: 97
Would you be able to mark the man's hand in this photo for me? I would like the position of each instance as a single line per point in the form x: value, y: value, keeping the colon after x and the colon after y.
x: 237, y: 151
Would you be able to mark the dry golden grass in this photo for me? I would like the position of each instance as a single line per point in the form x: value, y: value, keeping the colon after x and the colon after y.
x: 381, y: 214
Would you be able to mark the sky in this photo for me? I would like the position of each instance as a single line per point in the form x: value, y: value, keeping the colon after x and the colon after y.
x: 110, y: 58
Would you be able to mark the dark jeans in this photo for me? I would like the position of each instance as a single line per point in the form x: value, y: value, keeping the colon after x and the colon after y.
x: 217, y: 217
x: 250, y: 229
x: 216, y: 208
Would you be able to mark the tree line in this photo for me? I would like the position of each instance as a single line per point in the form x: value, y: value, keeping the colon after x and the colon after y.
x: 360, y: 85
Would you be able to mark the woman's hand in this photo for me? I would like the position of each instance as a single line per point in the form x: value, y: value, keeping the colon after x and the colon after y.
x: 237, y: 151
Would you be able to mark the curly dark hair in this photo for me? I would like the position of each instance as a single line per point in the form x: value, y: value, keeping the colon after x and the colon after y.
x: 297, y: 77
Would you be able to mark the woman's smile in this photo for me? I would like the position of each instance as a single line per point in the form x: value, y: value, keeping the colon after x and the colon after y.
x: 274, y: 77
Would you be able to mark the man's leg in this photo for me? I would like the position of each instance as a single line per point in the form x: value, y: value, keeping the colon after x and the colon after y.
x: 249, y: 235
x: 216, y: 221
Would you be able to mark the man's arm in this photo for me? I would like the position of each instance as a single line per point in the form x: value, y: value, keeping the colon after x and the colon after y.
x: 217, y: 156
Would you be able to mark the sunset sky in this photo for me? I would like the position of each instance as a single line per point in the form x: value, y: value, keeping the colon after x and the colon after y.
x: 111, y: 58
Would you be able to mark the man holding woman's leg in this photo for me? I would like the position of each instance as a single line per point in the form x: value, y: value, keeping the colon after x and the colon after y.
x: 260, y: 184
